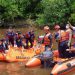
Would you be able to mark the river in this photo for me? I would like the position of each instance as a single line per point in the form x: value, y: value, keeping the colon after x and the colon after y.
x: 20, y: 69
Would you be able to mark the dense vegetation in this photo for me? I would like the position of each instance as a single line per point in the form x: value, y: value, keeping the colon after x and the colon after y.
x: 41, y: 12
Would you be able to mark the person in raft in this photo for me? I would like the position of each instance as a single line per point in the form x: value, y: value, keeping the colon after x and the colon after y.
x: 3, y: 46
x: 61, y: 39
x: 10, y: 36
x: 29, y: 36
x: 18, y: 39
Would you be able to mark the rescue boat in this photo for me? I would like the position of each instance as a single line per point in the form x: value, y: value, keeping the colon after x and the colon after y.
x: 18, y: 55
x: 63, y: 68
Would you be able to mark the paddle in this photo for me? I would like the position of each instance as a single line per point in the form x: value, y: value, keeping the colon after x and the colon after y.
x: 70, y: 38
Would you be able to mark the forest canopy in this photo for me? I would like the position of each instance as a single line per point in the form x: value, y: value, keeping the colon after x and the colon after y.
x: 42, y: 12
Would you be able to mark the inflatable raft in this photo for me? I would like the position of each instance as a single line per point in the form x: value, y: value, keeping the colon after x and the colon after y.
x: 15, y: 54
x: 63, y: 68
x: 19, y: 55
x: 2, y: 57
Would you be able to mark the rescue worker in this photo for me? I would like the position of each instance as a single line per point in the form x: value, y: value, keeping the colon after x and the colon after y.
x: 47, y: 38
x: 68, y: 34
x: 72, y: 36
x: 10, y: 36
x: 61, y: 39
x: 47, y: 55
x: 29, y: 36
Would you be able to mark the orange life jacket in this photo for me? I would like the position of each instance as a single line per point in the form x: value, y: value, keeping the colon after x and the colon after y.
x: 27, y: 35
x: 62, y: 36
x: 67, y: 34
x: 46, y: 39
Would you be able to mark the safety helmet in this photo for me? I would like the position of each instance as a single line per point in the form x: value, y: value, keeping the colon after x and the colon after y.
x: 57, y: 27
x: 46, y: 28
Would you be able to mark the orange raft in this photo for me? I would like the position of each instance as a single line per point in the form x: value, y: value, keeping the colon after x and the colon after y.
x: 18, y: 55
x: 33, y: 62
x: 2, y: 57
x: 64, y: 68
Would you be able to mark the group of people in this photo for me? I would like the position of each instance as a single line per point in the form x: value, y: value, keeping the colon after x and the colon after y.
x: 65, y: 38
x: 16, y: 38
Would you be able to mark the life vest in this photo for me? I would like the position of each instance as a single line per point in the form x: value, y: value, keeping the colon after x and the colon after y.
x: 62, y: 36
x: 10, y: 35
x: 27, y: 35
x: 40, y: 38
x: 67, y: 34
x: 18, y: 39
x: 46, y: 39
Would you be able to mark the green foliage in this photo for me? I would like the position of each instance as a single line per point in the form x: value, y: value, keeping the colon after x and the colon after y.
x: 55, y: 11
x: 72, y: 18
x: 43, y: 12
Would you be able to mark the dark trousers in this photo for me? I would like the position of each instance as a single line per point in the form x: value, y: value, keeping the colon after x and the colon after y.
x: 62, y: 50
x: 11, y: 41
x: 19, y: 44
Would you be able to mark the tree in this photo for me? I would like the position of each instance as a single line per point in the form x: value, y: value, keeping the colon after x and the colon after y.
x: 55, y: 12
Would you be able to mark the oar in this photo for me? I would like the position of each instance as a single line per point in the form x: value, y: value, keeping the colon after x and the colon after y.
x: 70, y: 37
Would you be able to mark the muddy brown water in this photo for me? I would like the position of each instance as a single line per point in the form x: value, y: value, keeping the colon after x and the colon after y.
x: 19, y: 67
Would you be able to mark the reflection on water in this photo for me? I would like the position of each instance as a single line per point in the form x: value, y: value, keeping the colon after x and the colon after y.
x: 20, y: 69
